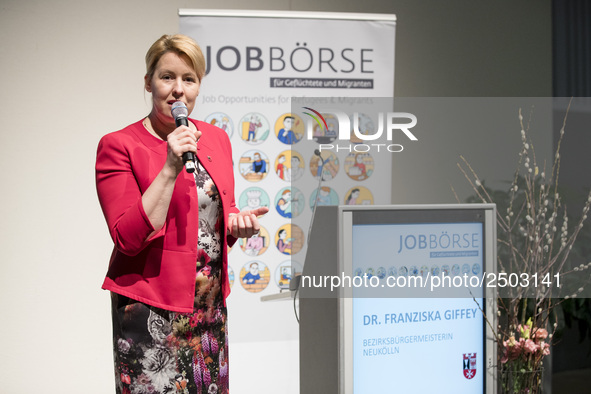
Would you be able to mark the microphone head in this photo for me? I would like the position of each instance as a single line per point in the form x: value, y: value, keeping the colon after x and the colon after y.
x: 179, y: 110
x: 317, y: 152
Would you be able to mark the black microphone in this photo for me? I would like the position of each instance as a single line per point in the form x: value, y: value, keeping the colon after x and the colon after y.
x: 180, y: 113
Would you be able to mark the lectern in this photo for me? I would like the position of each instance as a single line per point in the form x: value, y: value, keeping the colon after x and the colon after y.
x: 390, y: 300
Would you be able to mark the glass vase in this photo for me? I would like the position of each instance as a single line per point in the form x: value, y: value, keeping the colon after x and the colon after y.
x: 520, y: 381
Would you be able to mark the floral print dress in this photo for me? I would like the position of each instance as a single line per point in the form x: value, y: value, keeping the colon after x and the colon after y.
x: 159, y: 351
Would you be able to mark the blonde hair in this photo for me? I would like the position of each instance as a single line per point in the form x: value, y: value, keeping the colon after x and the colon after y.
x: 179, y: 44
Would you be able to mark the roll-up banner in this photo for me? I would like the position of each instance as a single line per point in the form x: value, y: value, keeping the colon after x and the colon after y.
x: 286, y: 152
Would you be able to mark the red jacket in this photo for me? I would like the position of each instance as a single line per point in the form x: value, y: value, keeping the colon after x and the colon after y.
x: 159, y: 271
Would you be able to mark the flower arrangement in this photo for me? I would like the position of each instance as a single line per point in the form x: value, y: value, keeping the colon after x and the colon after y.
x: 528, y: 348
x: 523, y: 357
x: 535, y: 238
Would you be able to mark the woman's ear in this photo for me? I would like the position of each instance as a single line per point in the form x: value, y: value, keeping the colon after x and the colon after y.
x: 147, y: 84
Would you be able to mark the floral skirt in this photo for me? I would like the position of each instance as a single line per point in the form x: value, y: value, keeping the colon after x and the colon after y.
x: 159, y: 351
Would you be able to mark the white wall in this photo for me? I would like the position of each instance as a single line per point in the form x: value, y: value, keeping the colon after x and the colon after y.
x: 71, y: 71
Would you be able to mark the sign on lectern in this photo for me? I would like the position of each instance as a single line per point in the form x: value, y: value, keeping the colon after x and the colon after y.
x: 391, y: 300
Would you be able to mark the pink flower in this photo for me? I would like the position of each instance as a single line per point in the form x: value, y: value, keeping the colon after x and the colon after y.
x: 540, y: 333
x: 513, y: 348
x: 123, y: 345
x: 205, y: 343
x: 143, y: 379
x: 125, y: 378
x: 223, y: 369
x: 223, y: 375
x: 530, y: 347
x: 205, y: 271
x: 206, y: 377
x: 214, y: 345
x: 202, y: 258
x: 545, y: 347
x: 197, y: 373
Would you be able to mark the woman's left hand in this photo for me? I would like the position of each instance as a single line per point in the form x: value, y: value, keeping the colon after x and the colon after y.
x: 246, y: 223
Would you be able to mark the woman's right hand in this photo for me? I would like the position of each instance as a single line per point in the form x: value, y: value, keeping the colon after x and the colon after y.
x: 181, y: 140
x: 156, y: 198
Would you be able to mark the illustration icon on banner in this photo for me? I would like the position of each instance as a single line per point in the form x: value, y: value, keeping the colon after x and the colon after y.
x: 359, y: 195
x: 254, y: 128
x: 253, y: 198
x: 290, y: 202
x: 325, y: 127
x: 465, y: 269
x: 253, y: 165
x: 392, y: 272
x: 328, y: 165
x: 289, y: 239
x: 326, y: 196
x: 284, y: 272
x: 289, y: 165
x: 289, y: 129
x: 221, y: 120
x: 424, y: 271
x: 255, y: 276
x: 403, y: 271
x: 359, y: 166
x: 255, y: 245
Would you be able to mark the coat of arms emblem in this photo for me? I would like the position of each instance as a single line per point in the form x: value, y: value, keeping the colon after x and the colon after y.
x: 469, y: 365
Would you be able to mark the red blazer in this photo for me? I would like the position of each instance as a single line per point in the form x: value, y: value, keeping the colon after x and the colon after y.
x: 159, y: 271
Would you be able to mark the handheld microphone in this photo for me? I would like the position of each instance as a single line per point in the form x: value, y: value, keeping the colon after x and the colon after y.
x: 180, y: 113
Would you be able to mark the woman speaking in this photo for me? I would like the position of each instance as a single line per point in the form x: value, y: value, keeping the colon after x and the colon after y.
x: 168, y: 273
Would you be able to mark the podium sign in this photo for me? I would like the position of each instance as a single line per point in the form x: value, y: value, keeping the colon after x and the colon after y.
x: 392, y: 300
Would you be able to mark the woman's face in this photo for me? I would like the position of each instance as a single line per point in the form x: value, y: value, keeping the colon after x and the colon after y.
x: 174, y: 80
